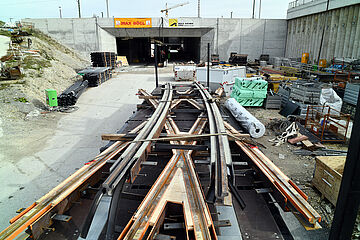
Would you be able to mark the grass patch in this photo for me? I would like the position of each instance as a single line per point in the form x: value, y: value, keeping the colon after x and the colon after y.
x: 21, y: 99
x: 38, y: 64
x: 5, y: 33
x: 4, y: 86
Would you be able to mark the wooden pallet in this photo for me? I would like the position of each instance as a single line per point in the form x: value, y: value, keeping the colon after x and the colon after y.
x: 328, y: 175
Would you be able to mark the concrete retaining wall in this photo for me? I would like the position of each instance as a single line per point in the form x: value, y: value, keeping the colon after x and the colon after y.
x: 248, y: 36
x: 341, y: 34
x: 78, y: 34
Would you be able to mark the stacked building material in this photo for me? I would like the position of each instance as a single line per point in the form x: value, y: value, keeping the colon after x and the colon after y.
x: 350, y: 99
x: 305, y: 92
x: 250, y: 91
x: 72, y: 93
x: 103, y: 59
x: 96, y: 75
x: 273, y: 101
x: 296, y: 98
x: 284, y: 93
x: 238, y: 59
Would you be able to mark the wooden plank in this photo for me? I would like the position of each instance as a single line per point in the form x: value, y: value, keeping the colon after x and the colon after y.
x: 113, y: 137
x: 166, y: 137
x: 307, y: 144
x: 148, y: 97
x: 298, y: 139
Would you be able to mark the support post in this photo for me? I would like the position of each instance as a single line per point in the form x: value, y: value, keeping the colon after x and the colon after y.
x: 259, y: 8
x: 198, y: 8
x: 60, y: 11
x: 323, y: 33
x: 78, y: 1
x: 208, y: 67
x: 348, y: 201
x: 107, y: 8
x: 156, y: 65
x: 253, y: 15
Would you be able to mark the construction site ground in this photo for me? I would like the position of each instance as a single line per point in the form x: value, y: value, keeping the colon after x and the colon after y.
x: 38, y: 153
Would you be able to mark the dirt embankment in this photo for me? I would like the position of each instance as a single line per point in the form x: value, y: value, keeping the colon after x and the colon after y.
x: 50, y: 65
x: 23, y: 113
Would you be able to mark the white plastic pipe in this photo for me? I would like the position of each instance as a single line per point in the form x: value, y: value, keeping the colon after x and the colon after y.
x: 255, y: 128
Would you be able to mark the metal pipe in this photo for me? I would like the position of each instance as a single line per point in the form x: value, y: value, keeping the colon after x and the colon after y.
x: 107, y: 8
x: 156, y: 66
x: 198, y: 8
x: 253, y: 13
x: 78, y: 1
x: 208, y: 67
x: 259, y: 8
x: 323, y: 32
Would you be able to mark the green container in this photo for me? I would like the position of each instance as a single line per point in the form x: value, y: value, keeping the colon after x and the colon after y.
x: 259, y: 94
x: 51, y: 97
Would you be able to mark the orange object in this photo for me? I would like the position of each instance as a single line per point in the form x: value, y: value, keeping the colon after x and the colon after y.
x: 305, y: 58
x: 322, y: 63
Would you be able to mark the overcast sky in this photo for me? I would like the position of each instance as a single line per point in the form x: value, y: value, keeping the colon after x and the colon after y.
x: 19, y: 9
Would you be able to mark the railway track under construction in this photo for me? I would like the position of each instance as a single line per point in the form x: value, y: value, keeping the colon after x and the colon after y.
x: 180, y: 168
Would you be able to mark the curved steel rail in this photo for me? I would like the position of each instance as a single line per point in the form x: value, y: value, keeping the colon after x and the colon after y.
x: 136, y: 150
x: 50, y: 201
x: 220, y: 149
x: 178, y: 183
x: 294, y: 198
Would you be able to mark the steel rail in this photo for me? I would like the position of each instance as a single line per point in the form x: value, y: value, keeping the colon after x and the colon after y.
x: 49, y: 201
x: 200, y: 215
x: 297, y: 198
x: 145, y: 222
x: 132, y: 153
x: 220, y: 148
x: 155, y: 103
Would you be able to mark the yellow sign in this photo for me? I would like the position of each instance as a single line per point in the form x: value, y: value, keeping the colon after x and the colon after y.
x: 173, y: 22
x: 122, y: 60
x: 132, y: 22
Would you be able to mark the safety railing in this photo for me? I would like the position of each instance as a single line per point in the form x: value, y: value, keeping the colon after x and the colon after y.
x: 297, y: 3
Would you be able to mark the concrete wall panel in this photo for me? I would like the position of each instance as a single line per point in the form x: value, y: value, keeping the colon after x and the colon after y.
x: 316, y: 6
x: 247, y: 36
x: 341, y: 28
